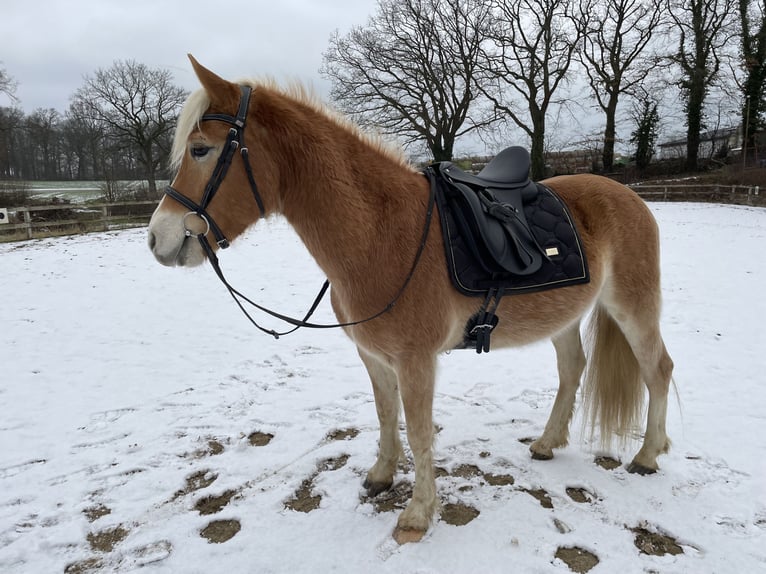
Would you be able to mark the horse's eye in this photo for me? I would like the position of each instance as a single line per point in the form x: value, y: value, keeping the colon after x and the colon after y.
x: 199, y: 151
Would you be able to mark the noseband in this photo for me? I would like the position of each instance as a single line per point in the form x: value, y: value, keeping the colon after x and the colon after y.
x: 234, y: 141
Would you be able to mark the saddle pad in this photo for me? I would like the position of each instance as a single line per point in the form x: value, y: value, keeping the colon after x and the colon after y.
x: 553, y: 228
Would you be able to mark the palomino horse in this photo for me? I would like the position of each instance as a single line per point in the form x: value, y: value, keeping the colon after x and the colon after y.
x: 359, y: 209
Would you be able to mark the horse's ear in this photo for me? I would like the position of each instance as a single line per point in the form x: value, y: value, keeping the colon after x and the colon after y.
x: 222, y: 93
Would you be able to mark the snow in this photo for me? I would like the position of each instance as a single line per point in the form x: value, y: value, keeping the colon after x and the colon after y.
x: 120, y: 379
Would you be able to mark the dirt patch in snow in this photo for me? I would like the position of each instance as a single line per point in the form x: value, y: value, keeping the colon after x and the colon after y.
x: 458, y: 514
x: 577, y: 559
x: 219, y: 531
x: 258, y: 438
x: 106, y: 540
x: 655, y: 543
x: 214, y: 504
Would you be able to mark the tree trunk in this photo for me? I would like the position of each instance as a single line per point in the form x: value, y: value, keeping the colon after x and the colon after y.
x: 442, y: 150
x: 694, y: 122
x: 610, y: 132
x: 537, y: 153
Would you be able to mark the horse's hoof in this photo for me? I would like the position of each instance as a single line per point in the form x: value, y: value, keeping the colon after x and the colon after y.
x: 546, y: 454
x: 541, y: 456
x: 635, y: 468
x: 375, y: 488
x: 407, y: 535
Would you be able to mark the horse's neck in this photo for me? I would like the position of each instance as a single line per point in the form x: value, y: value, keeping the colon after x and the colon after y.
x: 340, y: 194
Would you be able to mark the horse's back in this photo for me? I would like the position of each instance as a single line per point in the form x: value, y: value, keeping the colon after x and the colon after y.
x: 620, y: 234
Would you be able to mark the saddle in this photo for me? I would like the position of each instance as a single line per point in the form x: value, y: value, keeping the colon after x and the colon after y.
x: 503, y: 234
x: 491, y: 212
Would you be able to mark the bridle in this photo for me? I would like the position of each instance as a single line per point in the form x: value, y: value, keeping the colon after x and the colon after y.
x: 235, y: 141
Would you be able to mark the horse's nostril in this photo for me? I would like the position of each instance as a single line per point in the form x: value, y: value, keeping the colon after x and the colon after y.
x: 152, y: 240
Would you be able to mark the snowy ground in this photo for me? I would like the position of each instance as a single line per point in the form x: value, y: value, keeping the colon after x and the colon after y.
x: 133, y: 399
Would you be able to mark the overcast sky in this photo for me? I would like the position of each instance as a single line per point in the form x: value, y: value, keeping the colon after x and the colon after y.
x: 47, y: 46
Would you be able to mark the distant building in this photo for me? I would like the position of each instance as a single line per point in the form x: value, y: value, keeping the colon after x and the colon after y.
x: 573, y: 161
x: 713, y: 143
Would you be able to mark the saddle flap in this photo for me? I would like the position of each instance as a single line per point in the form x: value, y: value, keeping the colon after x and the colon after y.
x: 492, y: 218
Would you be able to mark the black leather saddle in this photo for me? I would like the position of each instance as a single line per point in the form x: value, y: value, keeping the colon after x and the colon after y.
x: 503, y: 235
x: 492, y: 212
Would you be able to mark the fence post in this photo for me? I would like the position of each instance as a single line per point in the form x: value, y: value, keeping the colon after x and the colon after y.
x: 28, y: 222
x: 104, y: 215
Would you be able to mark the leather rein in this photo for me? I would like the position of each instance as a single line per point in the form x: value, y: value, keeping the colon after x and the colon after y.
x: 235, y: 141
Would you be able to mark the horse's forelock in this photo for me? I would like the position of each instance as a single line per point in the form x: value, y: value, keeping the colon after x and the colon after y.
x: 188, y: 120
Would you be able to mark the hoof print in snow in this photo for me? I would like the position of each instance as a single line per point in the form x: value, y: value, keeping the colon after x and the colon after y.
x: 152, y: 553
x: 219, y: 531
x: 303, y: 500
x: 579, y: 495
x: 343, y: 434
x: 214, y: 504
x: 655, y: 543
x: 466, y: 471
x: 498, y: 479
x: 469, y: 471
x: 197, y: 481
x: 87, y: 566
x: 577, y: 559
x: 105, y: 540
x: 93, y: 513
x: 258, y: 438
x: 212, y: 448
x: 541, y: 495
x: 391, y: 500
x: 607, y: 462
x: 458, y: 514
x: 333, y: 463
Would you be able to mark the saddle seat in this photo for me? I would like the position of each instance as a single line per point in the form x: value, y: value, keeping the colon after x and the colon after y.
x: 491, y: 212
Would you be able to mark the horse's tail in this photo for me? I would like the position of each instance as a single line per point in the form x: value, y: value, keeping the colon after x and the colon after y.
x: 614, y: 391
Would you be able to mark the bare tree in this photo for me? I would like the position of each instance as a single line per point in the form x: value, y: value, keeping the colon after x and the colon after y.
x: 7, y: 85
x: 411, y: 71
x: 752, y: 15
x: 530, y: 52
x: 616, y: 34
x: 704, y: 30
x: 11, y: 122
x: 43, y: 136
x: 138, y: 104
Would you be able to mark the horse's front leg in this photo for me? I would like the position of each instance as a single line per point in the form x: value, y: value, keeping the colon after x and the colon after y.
x: 416, y: 376
x: 384, y: 385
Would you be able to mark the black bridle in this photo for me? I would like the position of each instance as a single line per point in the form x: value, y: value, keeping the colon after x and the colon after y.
x: 235, y: 141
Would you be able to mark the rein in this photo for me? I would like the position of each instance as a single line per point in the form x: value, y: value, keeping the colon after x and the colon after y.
x: 234, y: 141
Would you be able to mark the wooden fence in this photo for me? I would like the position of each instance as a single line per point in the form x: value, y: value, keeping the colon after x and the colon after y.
x: 18, y: 223
x: 708, y: 193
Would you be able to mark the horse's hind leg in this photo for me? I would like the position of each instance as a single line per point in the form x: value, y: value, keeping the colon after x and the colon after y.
x: 384, y: 385
x: 656, y: 368
x: 571, y: 363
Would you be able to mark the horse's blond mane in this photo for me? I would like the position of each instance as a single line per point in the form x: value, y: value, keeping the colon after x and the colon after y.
x: 198, y: 102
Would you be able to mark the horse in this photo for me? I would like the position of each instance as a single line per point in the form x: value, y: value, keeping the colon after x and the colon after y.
x: 359, y: 207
